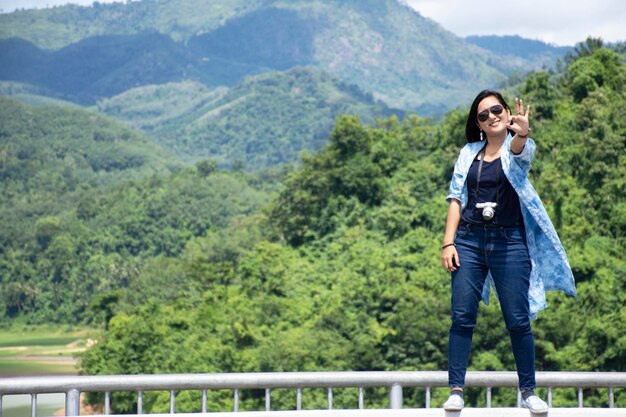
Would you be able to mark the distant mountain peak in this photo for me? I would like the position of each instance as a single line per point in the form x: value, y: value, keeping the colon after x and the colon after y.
x: 515, y: 45
x: 383, y: 46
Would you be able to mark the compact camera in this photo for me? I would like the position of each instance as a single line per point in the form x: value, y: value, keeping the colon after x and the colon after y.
x: 489, y: 210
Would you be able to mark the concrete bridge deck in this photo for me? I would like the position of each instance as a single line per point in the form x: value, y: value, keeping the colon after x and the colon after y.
x: 422, y: 412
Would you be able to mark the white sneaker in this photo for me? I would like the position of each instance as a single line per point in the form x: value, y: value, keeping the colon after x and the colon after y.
x: 535, y: 404
x: 454, y: 403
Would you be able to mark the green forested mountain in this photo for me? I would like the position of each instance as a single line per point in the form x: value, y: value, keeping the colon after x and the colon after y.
x: 516, y: 48
x: 32, y: 95
x: 342, y: 272
x: 64, y: 148
x: 266, y: 120
x: 383, y: 46
x: 96, y: 67
x: 50, y: 160
x: 86, y: 201
x: 56, y: 27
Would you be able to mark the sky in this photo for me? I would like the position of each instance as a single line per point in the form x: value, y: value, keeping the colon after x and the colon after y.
x: 558, y: 22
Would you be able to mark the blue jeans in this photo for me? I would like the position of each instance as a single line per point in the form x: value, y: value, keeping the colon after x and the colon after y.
x: 503, y: 251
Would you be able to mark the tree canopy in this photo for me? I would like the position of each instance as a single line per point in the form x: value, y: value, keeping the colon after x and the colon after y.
x: 341, y: 271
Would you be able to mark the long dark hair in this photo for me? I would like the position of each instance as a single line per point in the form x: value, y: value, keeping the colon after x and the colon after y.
x: 472, y: 131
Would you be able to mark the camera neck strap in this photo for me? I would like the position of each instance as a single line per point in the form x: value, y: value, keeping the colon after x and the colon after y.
x: 481, y: 158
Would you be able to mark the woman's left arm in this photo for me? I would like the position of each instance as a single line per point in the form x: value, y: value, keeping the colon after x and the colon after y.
x: 520, y: 125
x: 518, y: 143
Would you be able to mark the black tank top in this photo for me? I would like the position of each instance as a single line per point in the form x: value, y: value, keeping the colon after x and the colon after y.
x: 492, y: 179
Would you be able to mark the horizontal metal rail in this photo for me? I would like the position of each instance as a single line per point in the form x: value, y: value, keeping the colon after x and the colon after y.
x: 73, y: 386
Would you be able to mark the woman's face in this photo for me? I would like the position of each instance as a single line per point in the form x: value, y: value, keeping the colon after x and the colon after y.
x: 494, y: 124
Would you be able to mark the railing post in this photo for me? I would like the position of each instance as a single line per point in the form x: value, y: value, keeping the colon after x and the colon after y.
x: 330, y: 398
x: 107, y: 403
x: 580, y: 397
x: 299, y: 399
x: 139, y: 402
x: 550, y: 397
x: 360, y: 398
x: 72, y: 403
x: 33, y: 405
x: 395, y: 396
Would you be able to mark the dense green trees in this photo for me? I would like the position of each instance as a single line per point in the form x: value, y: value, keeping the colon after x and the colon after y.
x: 123, y: 238
x: 335, y: 268
x: 344, y: 271
x: 89, y: 204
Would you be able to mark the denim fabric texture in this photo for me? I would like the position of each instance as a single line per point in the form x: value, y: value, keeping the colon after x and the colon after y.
x: 550, y: 269
x: 503, y: 252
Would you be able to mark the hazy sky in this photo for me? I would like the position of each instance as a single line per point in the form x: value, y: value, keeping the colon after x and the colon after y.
x: 560, y: 22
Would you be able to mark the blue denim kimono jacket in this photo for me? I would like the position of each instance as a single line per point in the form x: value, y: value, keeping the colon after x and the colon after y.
x: 550, y: 268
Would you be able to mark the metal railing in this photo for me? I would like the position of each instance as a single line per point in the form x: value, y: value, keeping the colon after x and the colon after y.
x: 73, y: 386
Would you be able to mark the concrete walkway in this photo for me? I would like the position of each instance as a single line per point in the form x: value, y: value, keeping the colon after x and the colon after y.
x: 429, y: 412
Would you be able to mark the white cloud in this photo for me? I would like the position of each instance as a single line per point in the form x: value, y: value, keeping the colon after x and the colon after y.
x: 561, y: 22
x: 8, y: 6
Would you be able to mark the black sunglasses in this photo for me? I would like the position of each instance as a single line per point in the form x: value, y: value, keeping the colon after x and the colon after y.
x: 484, y: 115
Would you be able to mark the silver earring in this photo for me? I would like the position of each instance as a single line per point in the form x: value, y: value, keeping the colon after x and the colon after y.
x: 481, y: 135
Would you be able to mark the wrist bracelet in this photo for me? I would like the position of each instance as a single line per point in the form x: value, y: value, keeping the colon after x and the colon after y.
x: 527, y: 133
x: 449, y: 244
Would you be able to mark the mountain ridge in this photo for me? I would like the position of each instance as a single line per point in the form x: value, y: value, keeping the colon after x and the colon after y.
x: 383, y: 46
x: 515, y: 46
x: 267, y: 119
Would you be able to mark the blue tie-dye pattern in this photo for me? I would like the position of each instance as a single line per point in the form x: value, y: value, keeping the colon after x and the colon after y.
x: 550, y: 267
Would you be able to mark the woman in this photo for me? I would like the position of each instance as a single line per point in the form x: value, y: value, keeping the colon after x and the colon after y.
x: 498, y: 233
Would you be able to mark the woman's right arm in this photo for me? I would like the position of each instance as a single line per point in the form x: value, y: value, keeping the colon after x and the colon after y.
x: 449, y: 255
